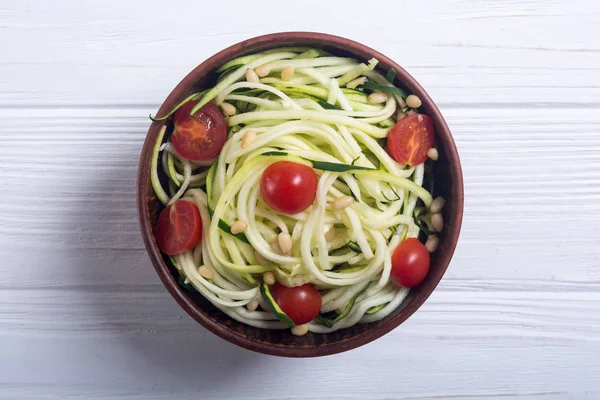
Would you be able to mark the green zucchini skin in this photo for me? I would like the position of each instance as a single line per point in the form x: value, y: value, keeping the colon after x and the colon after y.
x: 274, y: 307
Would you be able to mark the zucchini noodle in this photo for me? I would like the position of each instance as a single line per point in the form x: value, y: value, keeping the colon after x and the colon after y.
x: 312, y: 119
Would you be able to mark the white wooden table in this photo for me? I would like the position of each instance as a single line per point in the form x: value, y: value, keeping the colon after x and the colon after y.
x: 83, y: 314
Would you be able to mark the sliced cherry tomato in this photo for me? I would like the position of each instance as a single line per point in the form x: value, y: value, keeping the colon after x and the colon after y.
x: 410, y: 263
x: 179, y: 228
x: 301, y: 303
x: 289, y: 187
x: 202, y: 136
x: 410, y: 139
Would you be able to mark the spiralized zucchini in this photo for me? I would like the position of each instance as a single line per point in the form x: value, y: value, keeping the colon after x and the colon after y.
x: 309, y: 119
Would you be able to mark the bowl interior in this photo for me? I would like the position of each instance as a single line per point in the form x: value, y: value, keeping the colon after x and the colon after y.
x: 448, y: 183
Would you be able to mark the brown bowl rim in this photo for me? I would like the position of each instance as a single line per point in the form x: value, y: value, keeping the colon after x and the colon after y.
x: 442, y: 135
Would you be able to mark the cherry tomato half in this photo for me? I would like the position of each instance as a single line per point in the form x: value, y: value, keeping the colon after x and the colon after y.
x: 202, y: 136
x: 301, y: 303
x: 410, y: 139
x: 289, y: 187
x: 410, y: 263
x: 179, y: 228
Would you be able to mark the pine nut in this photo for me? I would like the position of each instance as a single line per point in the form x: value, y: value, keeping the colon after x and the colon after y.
x: 248, y: 139
x: 437, y: 221
x: 331, y: 234
x: 358, y: 81
x: 343, y: 202
x: 432, y: 243
x: 252, y: 306
x: 275, y: 246
x: 251, y: 75
x: 400, y: 115
x: 206, y: 272
x: 433, y: 154
x: 287, y: 74
x: 437, y: 204
x: 260, y: 258
x: 263, y: 70
x: 285, y: 242
x: 238, y: 226
x: 377, y: 98
x: 413, y: 101
x: 228, y: 109
x: 300, y: 330
x: 269, y: 278
x: 420, y: 117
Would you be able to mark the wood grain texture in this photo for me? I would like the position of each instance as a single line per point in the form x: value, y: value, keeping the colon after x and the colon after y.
x: 469, y: 52
x: 82, y: 313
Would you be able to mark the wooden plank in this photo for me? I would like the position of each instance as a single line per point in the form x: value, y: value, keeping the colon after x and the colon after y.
x: 460, y: 315
x: 469, y: 53
x: 533, y: 345
x: 527, y: 200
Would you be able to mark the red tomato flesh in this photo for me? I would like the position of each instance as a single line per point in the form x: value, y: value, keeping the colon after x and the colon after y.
x: 301, y: 303
x: 410, y: 139
x: 202, y: 136
x: 410, y: 263
x: 288, y: 187
x: 179, y: 228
